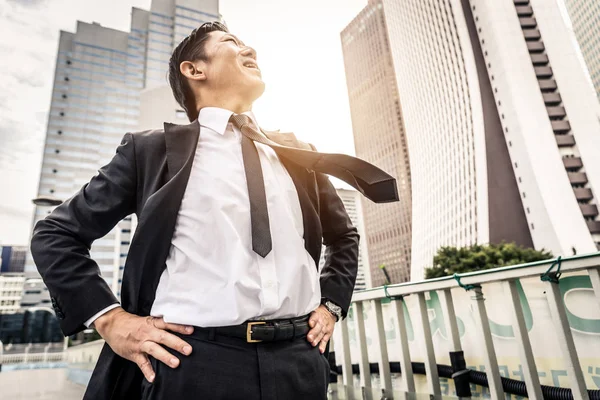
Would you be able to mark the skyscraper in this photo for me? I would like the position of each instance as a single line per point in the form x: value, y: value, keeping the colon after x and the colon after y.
x: 502, y: 126
x: 353, y: 205
x: 169, y: 22
x: 100, y: 74
x: 379, y: 137
x: 585, y: 20
x: 11, y: 290
x: 12, y: 259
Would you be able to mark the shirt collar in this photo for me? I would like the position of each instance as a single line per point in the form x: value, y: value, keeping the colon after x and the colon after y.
x: 216, y: 119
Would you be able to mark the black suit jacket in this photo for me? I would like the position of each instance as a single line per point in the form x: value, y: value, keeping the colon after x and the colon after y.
x: 148, y: 176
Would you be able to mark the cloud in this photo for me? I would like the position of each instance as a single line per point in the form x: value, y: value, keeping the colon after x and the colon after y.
x: 28, y: 3
x: 26, y: 75
x: 28, y: 42
x: 29, y: 34
x: 12, y: 211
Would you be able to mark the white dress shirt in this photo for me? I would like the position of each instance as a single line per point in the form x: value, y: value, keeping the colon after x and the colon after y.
x: 213, y: 277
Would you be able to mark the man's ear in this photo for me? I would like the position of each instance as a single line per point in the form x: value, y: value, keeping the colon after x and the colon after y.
x: 193, y: 71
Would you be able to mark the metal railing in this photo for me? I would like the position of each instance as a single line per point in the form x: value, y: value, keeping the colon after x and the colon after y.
x: 26, y: 354
x: 538, y: 315
x: 28, y: 358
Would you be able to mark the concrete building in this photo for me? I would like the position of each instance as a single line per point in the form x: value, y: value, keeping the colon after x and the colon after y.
x: 169, y: 22
x: 502, y: 125
x: 353, y: 205
x: 584, y: 18
x: 12, y: 259
x: 379, y: 137
x: 11, y: 289
x: 157, y: 105
x: 100, y: 74
x: 35, y: 294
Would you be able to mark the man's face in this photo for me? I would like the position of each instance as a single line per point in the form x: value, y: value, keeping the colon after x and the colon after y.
x: 232, y: 66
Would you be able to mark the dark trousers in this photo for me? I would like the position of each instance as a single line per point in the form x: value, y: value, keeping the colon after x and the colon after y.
x: 226, y: 368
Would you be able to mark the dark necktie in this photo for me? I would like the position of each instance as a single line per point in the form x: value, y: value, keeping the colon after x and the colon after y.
x: 259, y: 215
x: 371, y: 181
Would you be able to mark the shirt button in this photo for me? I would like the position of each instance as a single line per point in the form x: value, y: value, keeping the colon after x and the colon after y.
x: 270, y: 284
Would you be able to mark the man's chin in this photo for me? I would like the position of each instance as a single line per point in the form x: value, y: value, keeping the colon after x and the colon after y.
x: 258, y: 90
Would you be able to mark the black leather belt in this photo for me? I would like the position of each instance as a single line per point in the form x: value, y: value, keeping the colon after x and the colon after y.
x: 266, y: 331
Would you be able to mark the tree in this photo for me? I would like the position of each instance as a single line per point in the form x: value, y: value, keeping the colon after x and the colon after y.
x: 452, y: 260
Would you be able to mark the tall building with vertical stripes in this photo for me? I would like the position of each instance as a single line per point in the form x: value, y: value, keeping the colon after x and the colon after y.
x: 502, y: 125
x: 12, y: 259
x: 99, y: 77
x: 379, y: 138
x: 584, y: 16
x: 169, y: 22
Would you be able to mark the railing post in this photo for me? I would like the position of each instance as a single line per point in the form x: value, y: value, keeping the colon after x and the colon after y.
x: 594, y: 274
x: 450, y: 316
x: 46, y: 348
x: 565, y: 341
x: 26, y: 355
x: 405, y: 363
x: 491, y: 362
x: 460, y: 373
x: 332, y: 368
x: 347, y: 377
x: 530, y: 373
x: 433, y: 380
x: 385, y: 377
x: 365, y: 371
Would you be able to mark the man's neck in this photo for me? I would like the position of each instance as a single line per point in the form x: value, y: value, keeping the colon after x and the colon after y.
x: 237, y: 107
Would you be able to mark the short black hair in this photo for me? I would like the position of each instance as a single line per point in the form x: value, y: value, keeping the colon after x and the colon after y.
x: 190, y: 49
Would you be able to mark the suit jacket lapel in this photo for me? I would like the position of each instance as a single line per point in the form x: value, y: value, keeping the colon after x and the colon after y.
x: 181, y: 142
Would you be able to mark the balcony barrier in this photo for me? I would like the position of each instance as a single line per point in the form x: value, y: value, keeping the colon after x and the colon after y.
x: 529, y: 330
x: 28, y: 358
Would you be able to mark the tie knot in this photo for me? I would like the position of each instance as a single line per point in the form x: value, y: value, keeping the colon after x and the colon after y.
x: 240, y: 120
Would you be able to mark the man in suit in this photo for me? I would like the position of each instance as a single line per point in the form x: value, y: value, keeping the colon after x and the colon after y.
x: 222, y: 297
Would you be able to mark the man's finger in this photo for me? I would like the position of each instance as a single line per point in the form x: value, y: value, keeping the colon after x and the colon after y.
x: 314, y: 332
x: 318, y: 338
x: 324, y: 342
x: 183, y: 329
x: 143, y: 363
x: 315, y: 335
x: 171, y: 341
x: 157, y: 351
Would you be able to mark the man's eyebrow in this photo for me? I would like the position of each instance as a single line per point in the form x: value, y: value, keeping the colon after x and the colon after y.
x: 235, y: 37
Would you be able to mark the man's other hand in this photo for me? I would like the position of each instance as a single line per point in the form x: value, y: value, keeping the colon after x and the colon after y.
x: 135, y: 338
x: 321, y: 322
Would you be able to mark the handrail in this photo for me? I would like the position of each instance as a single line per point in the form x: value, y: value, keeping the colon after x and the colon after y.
x: 568, y: 264
x: 403, y: 314
x: 22, y: 358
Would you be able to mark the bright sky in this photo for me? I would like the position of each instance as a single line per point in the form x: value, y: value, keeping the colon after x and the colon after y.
x: 299, y: 51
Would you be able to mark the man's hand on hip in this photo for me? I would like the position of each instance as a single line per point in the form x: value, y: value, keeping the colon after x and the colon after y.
x: 135, y: 338
x: 321, y: 322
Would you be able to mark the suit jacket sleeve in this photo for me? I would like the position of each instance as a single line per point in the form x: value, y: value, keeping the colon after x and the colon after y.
x: 341, y: 240
x: 61, y: 242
